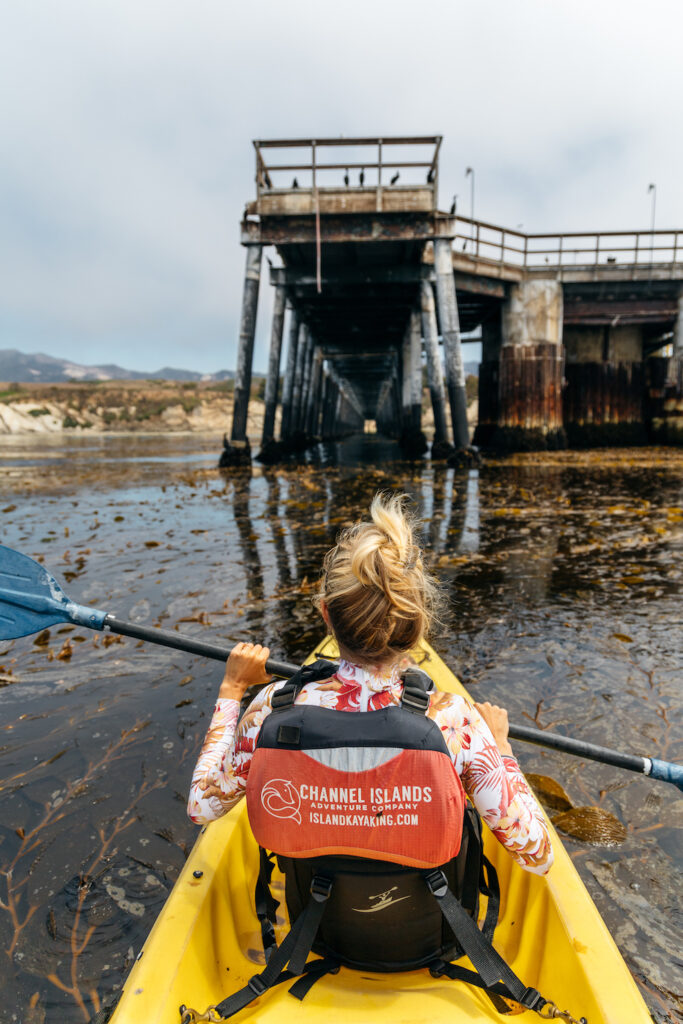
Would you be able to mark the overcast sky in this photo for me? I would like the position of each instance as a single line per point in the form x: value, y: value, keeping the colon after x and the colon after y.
x: 126, y: 130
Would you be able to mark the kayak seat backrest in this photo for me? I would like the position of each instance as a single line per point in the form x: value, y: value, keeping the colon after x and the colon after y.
x: 380, y: 915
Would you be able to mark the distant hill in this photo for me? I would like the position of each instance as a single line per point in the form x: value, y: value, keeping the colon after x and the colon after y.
x: 38, y: 368
x: 472, y: 368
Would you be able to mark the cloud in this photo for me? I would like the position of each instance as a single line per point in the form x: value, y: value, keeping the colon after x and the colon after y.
x: 127, y: 132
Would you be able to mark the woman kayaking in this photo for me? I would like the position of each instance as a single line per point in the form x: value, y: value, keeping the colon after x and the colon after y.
x: 377, y: 599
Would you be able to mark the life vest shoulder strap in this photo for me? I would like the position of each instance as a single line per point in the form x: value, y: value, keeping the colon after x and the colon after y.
x: 313, y: 673
x: 416, y: 686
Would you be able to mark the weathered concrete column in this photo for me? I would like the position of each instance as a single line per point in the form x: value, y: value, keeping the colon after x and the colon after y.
x: 295, y: 419
x: 666, y: 402
x: 415, y: 371
x: 288, y: 385
x: 306, y: 381
x: 450, y: 332
x: 434, y: 374
x: 313, y: 390
x: 273, y: 378
x: 245, y: 352
x: 406, y: 380
x: 531, y: 368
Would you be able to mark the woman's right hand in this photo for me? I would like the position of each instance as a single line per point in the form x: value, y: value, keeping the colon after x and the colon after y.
x: 497, y: 720
x: 246, y: 667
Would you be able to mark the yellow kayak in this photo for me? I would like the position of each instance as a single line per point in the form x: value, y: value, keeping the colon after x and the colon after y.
x: 206, y: 942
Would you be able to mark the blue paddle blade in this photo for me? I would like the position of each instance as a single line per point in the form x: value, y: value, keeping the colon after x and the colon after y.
x: 31, y: 599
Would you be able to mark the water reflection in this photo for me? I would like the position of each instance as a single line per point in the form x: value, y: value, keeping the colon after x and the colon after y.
x: 563, y: 580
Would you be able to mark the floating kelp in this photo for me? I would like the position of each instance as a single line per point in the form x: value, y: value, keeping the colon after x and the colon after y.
x: 550, y: 792
x: 591, y: 825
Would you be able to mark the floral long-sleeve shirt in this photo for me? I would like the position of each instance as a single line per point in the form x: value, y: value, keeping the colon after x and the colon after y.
x: 495, y: 784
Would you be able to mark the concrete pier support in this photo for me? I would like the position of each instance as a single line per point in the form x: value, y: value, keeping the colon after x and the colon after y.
x: 416, y: 371
x: 301, y: 356
x: 666, y: 393
x: 312, y: 400
x: 531, y: 369
x: 306, y: 382
x: 290, y: 369
x: 406, y: 381
x: 450, y: 332
x: 413, y: 442
x: 440, y: 446
x: 273, y: 378
x: 245, y: 352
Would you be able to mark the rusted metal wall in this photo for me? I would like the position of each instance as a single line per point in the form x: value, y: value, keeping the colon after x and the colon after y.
x: 530, y: 397
x: 604, y: 404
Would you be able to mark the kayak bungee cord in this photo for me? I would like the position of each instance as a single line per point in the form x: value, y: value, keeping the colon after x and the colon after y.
x: 31, y: 600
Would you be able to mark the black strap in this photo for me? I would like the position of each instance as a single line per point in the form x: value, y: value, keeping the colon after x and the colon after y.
x: 489, y: 887
x: 314, y: 971
x: 485, y: 959
x: 313, y: 673
x: 264, y: 902
x: 293, y: 950
x: 496, y: 993
x: 416, y: 687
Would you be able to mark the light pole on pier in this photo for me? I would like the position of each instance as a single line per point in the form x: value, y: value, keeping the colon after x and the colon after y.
x: 469, y: 173
x: 653, y: 189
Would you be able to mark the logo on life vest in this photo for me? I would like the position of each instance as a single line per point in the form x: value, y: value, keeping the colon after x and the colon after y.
x: 281, y: 799
x: 384, y: 899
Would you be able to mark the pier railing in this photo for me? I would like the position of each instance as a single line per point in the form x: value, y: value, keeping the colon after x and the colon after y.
x: 506, y: 247
x: 367, y: 164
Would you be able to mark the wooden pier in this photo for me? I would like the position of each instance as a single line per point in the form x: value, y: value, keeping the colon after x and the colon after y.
x: 581, y: 334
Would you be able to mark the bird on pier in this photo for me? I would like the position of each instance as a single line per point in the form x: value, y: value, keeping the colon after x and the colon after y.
x: 430, y: 176
x: 295, y: 184
x: 395, y: 178
x: 361, y: 176
x: 453, y: 206
x: 346, y: 178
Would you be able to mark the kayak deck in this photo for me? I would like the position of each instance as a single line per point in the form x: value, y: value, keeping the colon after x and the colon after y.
x: 206, y: 942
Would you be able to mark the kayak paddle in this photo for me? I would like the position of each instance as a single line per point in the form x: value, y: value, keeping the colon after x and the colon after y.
x: 31, y: 600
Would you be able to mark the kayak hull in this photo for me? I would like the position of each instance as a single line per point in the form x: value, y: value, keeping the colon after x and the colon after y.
x: 206, y: 942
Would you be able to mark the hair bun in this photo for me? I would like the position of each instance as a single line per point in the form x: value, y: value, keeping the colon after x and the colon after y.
x: 379, y: 598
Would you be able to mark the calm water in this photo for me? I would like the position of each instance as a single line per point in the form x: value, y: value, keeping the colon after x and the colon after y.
x: 564, y: 580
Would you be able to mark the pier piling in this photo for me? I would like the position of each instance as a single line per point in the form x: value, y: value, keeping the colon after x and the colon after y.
x: 440, y: 445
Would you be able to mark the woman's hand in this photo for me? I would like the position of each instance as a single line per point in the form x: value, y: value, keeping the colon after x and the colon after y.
x: 497, y: 720
x: 246, y: 667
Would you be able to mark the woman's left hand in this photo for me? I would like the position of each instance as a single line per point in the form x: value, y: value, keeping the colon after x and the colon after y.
x: 497, y: 720
x: 246, y: 667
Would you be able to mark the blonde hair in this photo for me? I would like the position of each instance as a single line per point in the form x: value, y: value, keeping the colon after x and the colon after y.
x: 379, y: 597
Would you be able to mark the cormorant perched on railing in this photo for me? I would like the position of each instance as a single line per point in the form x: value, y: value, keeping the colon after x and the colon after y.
x: 295, y: 184
x: 361, y: 176
x: 395, y: 178
x: 453, y: 206
x: 346, y: 178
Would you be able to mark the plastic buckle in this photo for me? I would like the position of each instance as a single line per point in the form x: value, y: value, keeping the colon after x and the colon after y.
x: 414, y: 697
x: 437, y: 883
x: 437, y: 969
x: 283, y: 698
x: 257, y: 985
x: 321, y: 887
x: 532, y: 999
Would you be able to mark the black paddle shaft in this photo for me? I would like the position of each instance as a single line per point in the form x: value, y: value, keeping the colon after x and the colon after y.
x: 167, y: 638
x: 284, y: 670
x: 591, y: 751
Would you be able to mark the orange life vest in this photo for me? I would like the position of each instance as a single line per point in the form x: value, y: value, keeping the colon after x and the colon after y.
x: 377, y: 784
